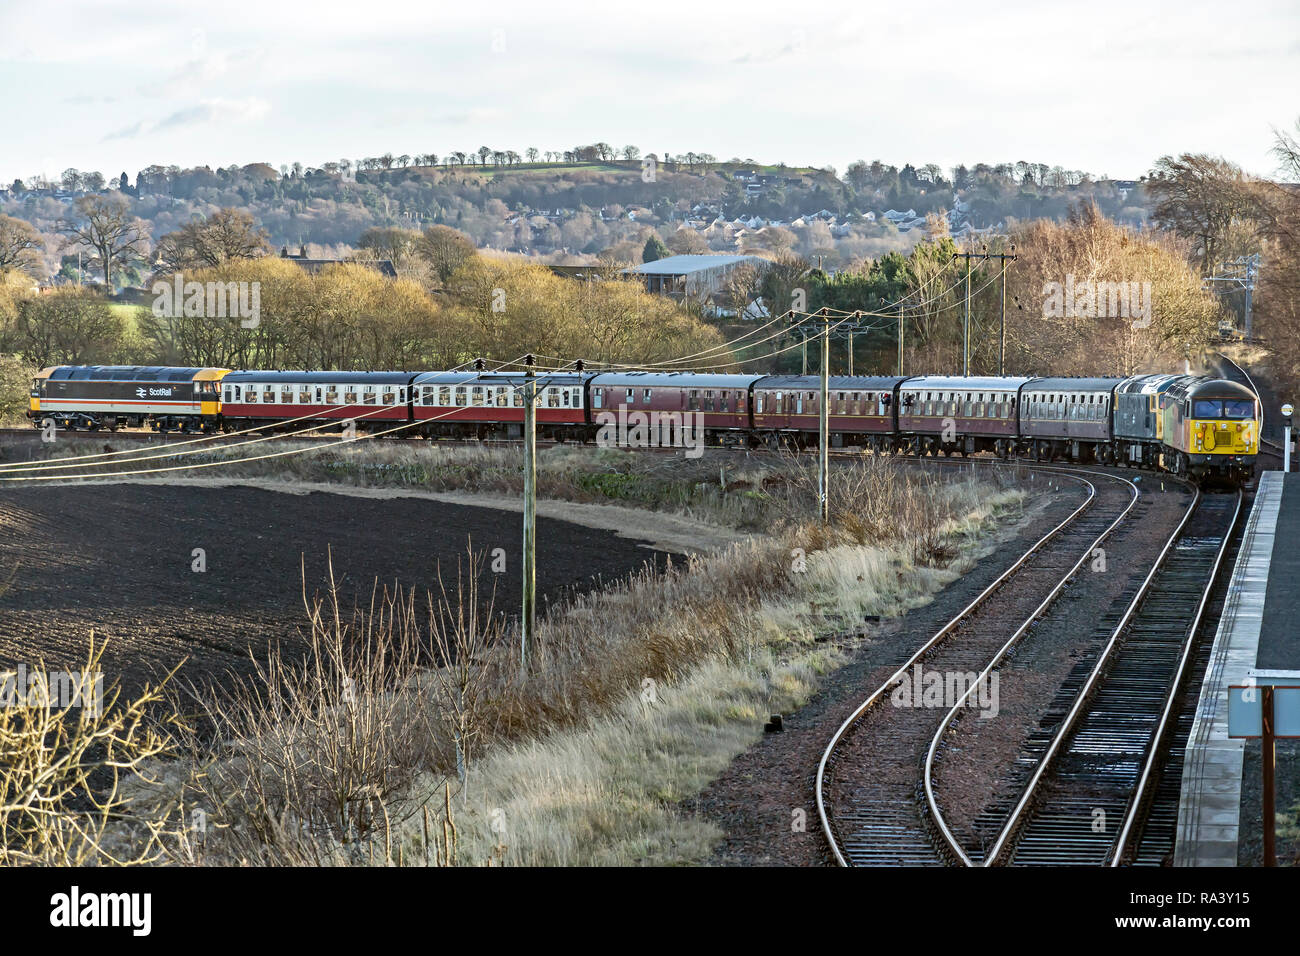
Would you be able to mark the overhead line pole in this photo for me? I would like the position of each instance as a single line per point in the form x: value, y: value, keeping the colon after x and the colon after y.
x: 824, y: 423
x: 965, y: 325
x: 900, y: 338
x: 1002, y: 308
x: 1002, y: 313
x: 528, y: 609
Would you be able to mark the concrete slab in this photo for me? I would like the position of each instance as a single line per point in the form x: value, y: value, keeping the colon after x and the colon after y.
x: 1210, y: 801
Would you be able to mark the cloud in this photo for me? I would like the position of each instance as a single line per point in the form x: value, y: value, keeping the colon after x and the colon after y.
x: 202, y: 113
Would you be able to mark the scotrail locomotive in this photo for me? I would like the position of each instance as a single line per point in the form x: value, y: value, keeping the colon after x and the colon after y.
x: 1185, y: 424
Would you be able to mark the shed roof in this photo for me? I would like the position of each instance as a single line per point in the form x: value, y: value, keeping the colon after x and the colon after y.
x: 685, y: 265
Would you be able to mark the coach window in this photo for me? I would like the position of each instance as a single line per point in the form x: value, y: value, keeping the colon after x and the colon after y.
x: 444, y: 395
x: 460, y: 395
x: 476, y: 396
x: 758, y: 403
x: 225, y: 392
x: 693, y: 400
x: 251, y: 397
x: 631, y: 395
x: 517, y: 397
x: 503, y: 397
x: 304, y: 394
x: 389, y: 397
x: 552, y: 399
x: 597, y: 398
x: 564, y: 397
x: 645, y: 395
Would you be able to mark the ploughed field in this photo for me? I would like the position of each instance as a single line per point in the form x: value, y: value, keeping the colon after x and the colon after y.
x: 119, y: 559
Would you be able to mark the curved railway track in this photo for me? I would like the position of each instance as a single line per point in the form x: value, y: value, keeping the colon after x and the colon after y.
x: 1094, y: 788
x: 882, y: 821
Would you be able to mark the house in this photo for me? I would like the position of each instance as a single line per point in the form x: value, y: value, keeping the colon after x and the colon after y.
x: 894, y: 216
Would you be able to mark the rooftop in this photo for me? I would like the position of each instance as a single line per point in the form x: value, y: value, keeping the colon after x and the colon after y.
x: 685, y: 265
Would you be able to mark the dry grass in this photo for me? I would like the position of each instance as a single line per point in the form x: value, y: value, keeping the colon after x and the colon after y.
x: 741, y: 492
x: 409, y: 734
x: 65, y: 768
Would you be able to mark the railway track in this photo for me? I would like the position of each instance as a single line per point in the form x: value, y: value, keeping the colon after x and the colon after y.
x: 882, y: 820
x: 1100, y: 776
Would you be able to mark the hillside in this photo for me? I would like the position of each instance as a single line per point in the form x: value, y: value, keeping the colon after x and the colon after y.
x: 572, y: 209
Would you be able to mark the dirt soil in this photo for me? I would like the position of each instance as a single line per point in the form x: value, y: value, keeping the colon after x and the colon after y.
x: 119, y: 559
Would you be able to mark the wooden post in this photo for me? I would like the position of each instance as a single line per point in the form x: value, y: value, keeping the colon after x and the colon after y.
x: 1002, y: 320
x: 1268, y: 754
x: 900, y: 338
x: 965, y: 326
x: 823, y: 457
x: 528, y: 608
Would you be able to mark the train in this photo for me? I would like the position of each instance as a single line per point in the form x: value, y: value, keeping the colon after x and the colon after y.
x: 1187, y: 425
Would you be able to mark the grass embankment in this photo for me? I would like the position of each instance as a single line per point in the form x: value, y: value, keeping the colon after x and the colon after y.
x: 633, y: 698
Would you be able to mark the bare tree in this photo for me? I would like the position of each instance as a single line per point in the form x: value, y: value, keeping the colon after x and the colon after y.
x: 226, y: 234
x: 105, y: 227
x: 19, y: 244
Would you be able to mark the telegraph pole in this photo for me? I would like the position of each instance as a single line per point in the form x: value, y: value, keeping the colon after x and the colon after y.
x: 965, y: 325
x: 528, y: 611
x: 1002, y: 310
x: 900, y: 338
x: 857, y: 317
x: 1003, y: 258
x: 823, y: 458
x: 1251, y: 265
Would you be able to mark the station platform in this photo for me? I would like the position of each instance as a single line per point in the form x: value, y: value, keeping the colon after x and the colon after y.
x: 1258, y: 631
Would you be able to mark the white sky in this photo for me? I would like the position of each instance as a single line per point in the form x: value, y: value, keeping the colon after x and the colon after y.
x: 1106, y: 86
